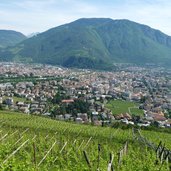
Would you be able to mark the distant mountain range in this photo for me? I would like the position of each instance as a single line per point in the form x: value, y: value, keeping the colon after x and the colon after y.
x: 32, y: 34
x: 10, y: 38
x: 94, y: 43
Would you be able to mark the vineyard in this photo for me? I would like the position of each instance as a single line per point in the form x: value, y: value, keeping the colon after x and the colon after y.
x: 35, y: 143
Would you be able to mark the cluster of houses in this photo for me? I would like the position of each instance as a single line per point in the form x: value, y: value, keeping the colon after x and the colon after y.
x: 150, y: 88
x: 27, y: 97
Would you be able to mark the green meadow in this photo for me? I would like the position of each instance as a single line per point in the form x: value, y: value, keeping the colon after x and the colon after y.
x: 121, y: 106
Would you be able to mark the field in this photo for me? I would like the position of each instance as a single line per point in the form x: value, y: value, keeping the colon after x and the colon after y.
x: 16, y: 99
x: 120, y: 106
x: 36, y: 143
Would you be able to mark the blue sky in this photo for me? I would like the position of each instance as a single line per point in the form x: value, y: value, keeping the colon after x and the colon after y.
x: 29, y: 16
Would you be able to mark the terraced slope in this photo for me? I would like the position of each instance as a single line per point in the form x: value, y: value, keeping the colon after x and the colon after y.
x: 36, y: 143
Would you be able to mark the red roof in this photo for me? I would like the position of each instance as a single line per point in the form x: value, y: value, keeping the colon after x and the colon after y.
x: 158, y: 117
x: 68, y: 101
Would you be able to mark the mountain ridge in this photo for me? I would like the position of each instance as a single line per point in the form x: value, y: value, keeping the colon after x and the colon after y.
x: 94, y: 43
x: 10, y: 38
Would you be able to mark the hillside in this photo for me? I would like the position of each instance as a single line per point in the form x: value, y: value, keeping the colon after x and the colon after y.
x: 30, y: 142
x: 10, y: 38
x: 94, y: 43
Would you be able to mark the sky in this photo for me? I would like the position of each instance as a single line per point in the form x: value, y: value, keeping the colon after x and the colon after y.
x: 30, y: 16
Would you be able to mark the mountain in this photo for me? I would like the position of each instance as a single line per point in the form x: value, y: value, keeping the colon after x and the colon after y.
x: 94, y: 43
x: 10, y: 38
x: 32, y: 34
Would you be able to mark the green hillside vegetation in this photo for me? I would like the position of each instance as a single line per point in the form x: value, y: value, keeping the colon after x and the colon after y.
x: 10, y: 38
x: 16, y: 99
x: 121, y: 106
x: 30, y: 142
x: 94, y: 43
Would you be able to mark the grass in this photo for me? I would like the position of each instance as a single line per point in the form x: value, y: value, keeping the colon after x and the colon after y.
x: 42, y: 132
x: 120, y: 106
x: 16, y: 99
x: 136, y: 111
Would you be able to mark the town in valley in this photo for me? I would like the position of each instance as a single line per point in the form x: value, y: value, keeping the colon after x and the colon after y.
x: 131, y: 95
